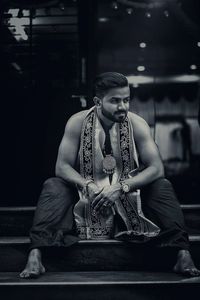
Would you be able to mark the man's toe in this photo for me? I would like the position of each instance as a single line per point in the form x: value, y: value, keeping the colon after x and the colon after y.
x: 191, y: 272
x: 196, y: 272
x: 23, y: 274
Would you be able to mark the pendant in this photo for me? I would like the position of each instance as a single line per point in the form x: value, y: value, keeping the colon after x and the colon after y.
x: 109, y: 164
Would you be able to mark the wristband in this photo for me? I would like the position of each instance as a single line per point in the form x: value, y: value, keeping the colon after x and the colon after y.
x: 86, y: 185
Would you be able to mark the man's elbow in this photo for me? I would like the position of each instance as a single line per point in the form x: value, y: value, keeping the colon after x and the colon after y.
x: 160, y: 171
x: 62, y: 169
x: 58, y: 170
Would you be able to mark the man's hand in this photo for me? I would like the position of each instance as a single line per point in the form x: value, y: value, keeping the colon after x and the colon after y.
x: 107, y: 197
x: 93, y: 190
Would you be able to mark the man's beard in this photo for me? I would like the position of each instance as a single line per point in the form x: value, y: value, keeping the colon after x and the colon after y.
x: 117, y: 117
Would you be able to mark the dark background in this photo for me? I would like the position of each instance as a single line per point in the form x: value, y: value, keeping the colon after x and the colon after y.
x: 50, y: 52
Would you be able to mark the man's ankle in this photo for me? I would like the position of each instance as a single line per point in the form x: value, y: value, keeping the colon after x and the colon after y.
x: 182, y: 252
x: 35, y: 252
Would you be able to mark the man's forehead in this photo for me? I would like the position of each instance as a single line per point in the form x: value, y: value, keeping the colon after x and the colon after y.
x: 119, y: 92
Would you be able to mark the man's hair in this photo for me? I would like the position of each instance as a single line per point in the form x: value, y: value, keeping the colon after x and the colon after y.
x: 109, y: 80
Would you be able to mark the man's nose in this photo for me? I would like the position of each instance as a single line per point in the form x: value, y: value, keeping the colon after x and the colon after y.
x: 121, y: 106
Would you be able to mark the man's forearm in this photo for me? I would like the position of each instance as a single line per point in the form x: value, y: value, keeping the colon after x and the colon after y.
x: 70, y: 175
x: 144, y: 177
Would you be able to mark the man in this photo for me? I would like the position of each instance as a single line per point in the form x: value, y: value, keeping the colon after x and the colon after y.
x: 107, y: 154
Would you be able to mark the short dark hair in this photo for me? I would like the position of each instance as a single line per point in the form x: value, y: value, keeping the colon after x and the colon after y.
x: 107, y: 81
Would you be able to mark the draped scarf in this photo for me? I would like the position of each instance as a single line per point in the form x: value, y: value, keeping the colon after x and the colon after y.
x: 125, y: 220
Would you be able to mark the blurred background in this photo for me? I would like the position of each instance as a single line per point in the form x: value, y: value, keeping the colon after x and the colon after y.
x: 50, y: 52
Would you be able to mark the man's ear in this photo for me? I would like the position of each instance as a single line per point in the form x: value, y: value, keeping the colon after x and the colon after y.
x: 97, y: 101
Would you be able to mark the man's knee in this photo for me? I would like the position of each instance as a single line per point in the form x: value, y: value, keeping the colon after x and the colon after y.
x: 162, y: 183
x: 57, y: 188
x: 160, y: 189
x: 54, y: 181
x: 56, y: 185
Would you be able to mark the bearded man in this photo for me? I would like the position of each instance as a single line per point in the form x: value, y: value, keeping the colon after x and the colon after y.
x: 108, y: 156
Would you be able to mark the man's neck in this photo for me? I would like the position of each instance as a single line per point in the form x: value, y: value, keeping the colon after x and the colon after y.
x: 105, y: 122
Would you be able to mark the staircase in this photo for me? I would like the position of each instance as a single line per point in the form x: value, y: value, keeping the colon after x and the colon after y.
x: 93, y: 270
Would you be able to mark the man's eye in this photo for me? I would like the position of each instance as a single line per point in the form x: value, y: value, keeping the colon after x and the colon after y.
x: 126, y: 100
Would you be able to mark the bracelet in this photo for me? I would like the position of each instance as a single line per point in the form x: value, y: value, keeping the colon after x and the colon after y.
x: 86, y: 185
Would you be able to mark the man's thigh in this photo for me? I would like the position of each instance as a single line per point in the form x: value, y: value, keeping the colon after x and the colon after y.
x: 160, y: 204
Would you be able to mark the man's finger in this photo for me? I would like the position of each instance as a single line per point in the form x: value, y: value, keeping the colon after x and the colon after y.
x: 98, y: 192
x: 96, y: 199
x: 99, y: 204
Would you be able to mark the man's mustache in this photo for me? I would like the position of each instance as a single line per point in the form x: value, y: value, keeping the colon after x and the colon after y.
x: 121, y: 112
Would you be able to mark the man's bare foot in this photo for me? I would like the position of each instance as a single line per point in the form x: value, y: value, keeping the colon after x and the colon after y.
x: 34, y: 266
x: 185, y: 264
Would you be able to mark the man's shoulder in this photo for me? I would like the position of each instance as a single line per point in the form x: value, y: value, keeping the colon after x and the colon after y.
x: 141, y: 128
x: 78, y: 118
x: 75, y: 122
x: 79, y: 115
x: 137, y: 120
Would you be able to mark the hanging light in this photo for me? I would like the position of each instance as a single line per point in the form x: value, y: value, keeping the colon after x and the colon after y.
x: 103, y: 19
x: 148, y: 14
x: 114, y: 5
x: 141, y: 68
x: 193, y: 67
x: 129, y: 11
x: 166, y: 13
x: 62, y: 6
x: 143, y: 45
x: 198, y: 44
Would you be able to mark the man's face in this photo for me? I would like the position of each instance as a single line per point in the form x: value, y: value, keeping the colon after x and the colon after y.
x: 115, y: 104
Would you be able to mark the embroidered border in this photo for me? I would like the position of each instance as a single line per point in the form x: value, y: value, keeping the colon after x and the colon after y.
x: 124, y: 135
x: 86, y: 155
x: 133, y: 220
x: 96, y: 227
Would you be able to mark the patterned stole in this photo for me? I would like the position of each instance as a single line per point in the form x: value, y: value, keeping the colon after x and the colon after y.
x: 101, y: 225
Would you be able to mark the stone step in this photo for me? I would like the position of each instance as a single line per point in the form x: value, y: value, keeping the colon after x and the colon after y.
x: 17, y: 221
x: 192, y: 217
x: 101, y: 285
x: 94, y: 256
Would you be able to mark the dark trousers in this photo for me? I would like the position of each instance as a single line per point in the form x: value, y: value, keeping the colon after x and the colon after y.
x: 53, y: 223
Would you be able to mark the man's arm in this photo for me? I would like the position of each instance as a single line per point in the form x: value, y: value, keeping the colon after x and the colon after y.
x: 68, y: 151
x: 148, y: 154
x: 150, y: 157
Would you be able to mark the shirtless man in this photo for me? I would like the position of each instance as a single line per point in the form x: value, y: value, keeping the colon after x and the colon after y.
x: 112, y: 95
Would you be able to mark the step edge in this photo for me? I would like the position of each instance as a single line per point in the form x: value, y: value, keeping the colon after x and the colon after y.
x: 17, y: 208
x: 26, y: 240
x: 190, y: 206
x: 179, y: 279
x: 32, y: 208
x: 102, y: 283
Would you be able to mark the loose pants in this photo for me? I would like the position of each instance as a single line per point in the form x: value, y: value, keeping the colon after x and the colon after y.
x: 53, y: 223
